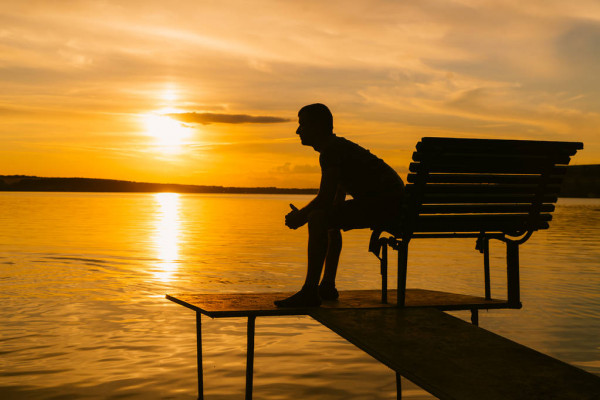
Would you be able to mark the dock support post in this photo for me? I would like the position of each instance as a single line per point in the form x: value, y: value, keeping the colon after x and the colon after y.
x: 512, y: 272
x: 199, y: 355
x: 402, y: 266
x: 250, y: 356
x: 486, y: 267
x: 475, y: 316
x: 384, y: 273
x: 398, y: 386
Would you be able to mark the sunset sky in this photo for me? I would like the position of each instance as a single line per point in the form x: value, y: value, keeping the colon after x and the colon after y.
x: 207, y: 92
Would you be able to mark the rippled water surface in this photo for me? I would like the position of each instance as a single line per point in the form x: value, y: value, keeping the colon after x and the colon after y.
x: 83, y: 278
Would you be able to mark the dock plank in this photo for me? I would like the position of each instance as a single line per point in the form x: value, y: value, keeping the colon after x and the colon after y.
x: 453, y: 359
x: 220, y: 305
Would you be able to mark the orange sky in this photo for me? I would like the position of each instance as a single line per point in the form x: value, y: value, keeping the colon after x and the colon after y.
x: 86, y: 85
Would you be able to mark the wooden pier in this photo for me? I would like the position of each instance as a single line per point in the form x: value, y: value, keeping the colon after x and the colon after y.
x: 453, y: 359
x: 444, y: 355
x: 457, y: 188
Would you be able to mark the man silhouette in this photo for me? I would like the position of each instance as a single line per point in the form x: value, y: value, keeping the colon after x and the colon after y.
x: 346, y: 168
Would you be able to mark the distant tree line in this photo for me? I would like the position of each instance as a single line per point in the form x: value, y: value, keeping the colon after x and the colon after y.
x: 581, y: 181
x: 21, y: 183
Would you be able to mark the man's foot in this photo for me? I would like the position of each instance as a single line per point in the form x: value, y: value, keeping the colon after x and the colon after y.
x: 304, y: 298
x: 328, y: 291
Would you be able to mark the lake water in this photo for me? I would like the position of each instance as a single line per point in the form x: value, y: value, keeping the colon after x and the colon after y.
x: 83, y: 278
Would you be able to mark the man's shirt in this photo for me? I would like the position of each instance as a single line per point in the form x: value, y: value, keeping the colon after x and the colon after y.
x: 362, y: 174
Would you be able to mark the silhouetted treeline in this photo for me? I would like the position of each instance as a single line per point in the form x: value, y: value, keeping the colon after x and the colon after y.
x: 580, y: 181
x: 20, y: 183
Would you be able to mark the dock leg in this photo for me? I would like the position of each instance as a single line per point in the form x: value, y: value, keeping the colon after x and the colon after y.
x: 475, y: 316
x: 486, y: 268
x: 512, y: 272
x: 398, y: 386
x: 402, y: 266
x: 199, y: 355
x: 250, y: 356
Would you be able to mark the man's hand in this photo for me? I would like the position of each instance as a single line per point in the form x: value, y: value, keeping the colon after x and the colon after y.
x: 295, y: 218
x: 330, y: 185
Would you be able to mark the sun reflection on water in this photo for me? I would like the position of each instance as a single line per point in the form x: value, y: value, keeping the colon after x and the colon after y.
x: 167, y: 238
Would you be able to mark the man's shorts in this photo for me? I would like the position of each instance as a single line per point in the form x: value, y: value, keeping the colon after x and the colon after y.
x: 364, y: 213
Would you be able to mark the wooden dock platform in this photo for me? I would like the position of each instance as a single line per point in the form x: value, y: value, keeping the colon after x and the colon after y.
x: 222, y: 305
x: 444, y: 355
x: 453, y: 359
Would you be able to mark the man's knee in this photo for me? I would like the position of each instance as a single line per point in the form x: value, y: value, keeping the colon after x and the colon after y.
x: 334, y: 237
x: 334, y: 234
x: 317, y: 219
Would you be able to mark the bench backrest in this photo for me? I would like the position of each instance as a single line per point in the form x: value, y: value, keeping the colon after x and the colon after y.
x: 483, y: 185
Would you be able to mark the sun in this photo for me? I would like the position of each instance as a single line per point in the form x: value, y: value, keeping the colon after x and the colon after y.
x: 170, y: 135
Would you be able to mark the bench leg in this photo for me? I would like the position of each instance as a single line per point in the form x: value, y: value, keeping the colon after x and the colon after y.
x: 402, y: 266
x: 250, y: 356
x: 384, y: 268
x: 486, y: 268
x: 199, y: 355
x: 512, y: 272
x: 398, y: 386
x: 475, y: 316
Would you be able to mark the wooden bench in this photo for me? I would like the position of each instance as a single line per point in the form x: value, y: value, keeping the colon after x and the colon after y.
x: 476, y: 188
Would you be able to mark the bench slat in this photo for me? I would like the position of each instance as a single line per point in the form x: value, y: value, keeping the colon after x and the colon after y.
x: 499, y: 145
x: 479, y: 223
x: 484, y: 198
x: 486, y: 158
x: 497, y: 168
x: 484, y: 217
x: 480, y: 208
x: 485, y: 178
x: 484, y: 189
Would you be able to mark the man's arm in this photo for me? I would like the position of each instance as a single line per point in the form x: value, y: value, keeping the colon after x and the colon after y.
x: 328, y: 188
x: 340, y: 195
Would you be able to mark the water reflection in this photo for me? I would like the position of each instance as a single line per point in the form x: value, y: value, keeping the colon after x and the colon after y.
x: 78, y: 321
x: 167, y: 237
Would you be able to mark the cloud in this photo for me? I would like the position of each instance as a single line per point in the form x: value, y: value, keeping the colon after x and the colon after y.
x: 288, y: 168
x: 208, y: 118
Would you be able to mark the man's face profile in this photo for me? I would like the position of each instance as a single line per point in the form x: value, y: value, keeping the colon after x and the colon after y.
x: 306, y: 131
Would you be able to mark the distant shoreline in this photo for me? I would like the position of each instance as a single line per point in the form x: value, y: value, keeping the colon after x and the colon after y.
x: 581, y: 181
x: 24, y: 183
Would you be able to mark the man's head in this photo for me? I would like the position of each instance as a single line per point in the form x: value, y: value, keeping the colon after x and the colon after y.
x: 315, y: 124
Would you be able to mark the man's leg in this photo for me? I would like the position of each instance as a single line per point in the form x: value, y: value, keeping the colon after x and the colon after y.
x: 317, y: 247
x: 308, y: 296
x: 327, y: 289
